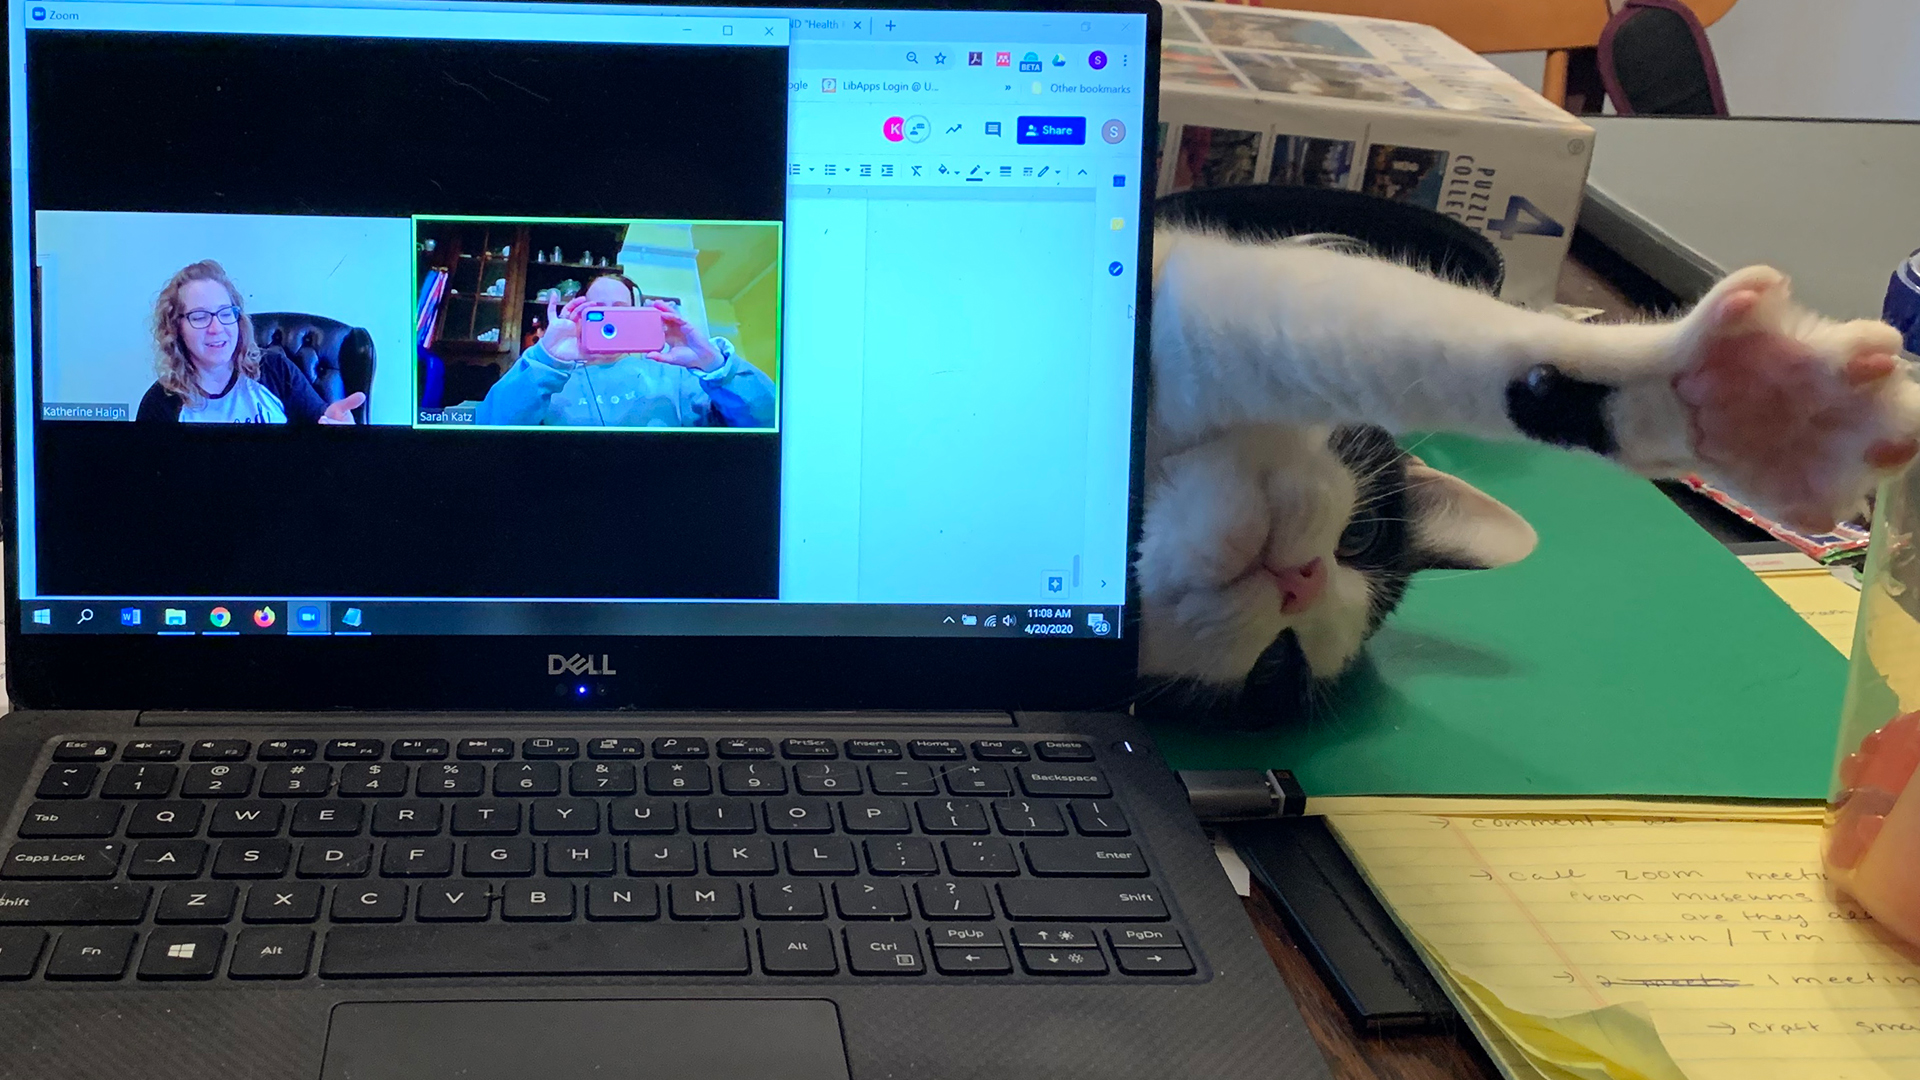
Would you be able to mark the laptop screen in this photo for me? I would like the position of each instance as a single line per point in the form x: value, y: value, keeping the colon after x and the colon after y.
x: 429, y: 318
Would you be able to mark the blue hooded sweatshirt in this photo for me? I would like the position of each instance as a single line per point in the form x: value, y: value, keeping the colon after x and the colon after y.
x: 633, y: 391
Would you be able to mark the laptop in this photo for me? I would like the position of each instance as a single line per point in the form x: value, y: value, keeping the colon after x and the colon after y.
x: 568, y: 540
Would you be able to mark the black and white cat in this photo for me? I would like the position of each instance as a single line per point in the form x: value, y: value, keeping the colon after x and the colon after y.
x: 1282, y: 524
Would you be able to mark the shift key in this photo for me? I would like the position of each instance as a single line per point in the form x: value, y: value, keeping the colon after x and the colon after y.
x: 1083, y: 901
x: 64, y: 902
x: 61, y: 859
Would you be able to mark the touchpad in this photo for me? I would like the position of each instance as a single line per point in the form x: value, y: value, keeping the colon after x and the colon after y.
x: 585, y: 1040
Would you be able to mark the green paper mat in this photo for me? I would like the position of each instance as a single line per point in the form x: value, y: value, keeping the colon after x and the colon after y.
x: 1631, y: 654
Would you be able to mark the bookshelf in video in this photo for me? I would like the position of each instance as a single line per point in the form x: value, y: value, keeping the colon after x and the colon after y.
x: 296, y: 344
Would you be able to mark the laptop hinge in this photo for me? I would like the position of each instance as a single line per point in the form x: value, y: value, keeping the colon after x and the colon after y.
x: 581, y: 718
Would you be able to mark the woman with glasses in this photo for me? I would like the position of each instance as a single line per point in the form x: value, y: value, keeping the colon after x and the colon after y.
x: 211, y: 371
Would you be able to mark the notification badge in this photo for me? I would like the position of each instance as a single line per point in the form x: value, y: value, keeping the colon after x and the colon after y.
x: 895, y: 129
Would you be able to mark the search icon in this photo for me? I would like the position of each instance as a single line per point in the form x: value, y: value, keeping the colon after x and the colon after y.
x: 86, y: 614
x: 913, y: 57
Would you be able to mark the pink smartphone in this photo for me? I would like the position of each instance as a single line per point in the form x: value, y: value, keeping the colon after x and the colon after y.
x: 621, y: 330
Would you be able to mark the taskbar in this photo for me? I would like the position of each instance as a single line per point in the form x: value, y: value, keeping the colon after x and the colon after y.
x: 551, y: 618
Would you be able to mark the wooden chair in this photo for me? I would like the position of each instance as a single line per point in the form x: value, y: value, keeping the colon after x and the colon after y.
x: 1495, y: 26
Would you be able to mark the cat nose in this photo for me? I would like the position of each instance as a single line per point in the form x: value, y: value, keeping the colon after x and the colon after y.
x: 1300, y: 586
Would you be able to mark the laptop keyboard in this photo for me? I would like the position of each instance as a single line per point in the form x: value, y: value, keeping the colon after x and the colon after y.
x: 555, y: 856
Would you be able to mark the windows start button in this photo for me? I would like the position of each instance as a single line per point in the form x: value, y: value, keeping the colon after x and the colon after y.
x: 1052, y: 130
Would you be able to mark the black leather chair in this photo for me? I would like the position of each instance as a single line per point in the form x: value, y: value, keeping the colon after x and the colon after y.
x: 338, y: 359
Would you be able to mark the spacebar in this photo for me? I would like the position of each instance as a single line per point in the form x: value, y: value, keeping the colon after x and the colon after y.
x: 571, y: 949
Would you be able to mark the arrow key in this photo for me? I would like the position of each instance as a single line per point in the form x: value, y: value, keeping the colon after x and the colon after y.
x: 1139, y: 960
x: 967, y: 960
x: 1053, y: 961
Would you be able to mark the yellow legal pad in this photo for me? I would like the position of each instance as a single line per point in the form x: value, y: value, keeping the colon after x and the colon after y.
x: 1620, y: 946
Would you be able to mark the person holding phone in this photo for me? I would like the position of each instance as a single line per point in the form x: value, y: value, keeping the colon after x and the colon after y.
x: 691, y: 381
x: 210, y: 370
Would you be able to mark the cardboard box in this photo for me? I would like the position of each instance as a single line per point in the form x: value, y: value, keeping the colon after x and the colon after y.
x: 1256, y: 95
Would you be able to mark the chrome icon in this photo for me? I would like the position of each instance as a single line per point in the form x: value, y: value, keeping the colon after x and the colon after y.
x: 219, y: 616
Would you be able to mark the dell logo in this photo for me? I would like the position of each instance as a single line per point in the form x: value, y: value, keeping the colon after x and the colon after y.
x: 579, y: 664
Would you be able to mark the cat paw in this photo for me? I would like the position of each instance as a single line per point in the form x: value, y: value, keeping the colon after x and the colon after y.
x: 1797, y: 414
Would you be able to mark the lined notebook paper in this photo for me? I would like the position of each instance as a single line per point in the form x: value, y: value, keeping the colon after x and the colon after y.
x: 1615, y: 948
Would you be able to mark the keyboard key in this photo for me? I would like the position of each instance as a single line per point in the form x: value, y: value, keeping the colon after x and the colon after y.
x: 420, y: 749
x: 153, y: 750
x: 334, y: 817
x: 83, y: 750
x: 799, y: 949
x: 903, y: 779
x: 536, y: 900
x: 978, y: 780
x: 62, y: 859
x: 587, y: 856
x: 221, y: 750
x: 798, y: 815
x: 704, y: 898
x: 449, y: 778
x: 356, y: 750
x: 409, y: 817
x: 574, y: 949
x: 601, y: 778
x: 288, y: 750
x: 1090, y: 901
x: 616, y: 748
x: 277, y: 953
x: 753, y: 778
x: 879, y: 949
x: 873, y: 749
x: 745, y: 748
x: 215, y: 781
x: 252, y: 859
x: 371, y: 901
x: 870, y: 899
x: 511, y: 857
x: 486, y: 817
x: 1155, y: 960
x: 68, y: 782
x: 808, y: 748
x: 975, y: 857
x: 832, y: 855
x: 971, y: 960
x: 70, y: 820
x: 827, y: 778
x: 937, y: 750
x: 455, y: 901
x: 716, y: 815
x: 679, y: 778
x: 1000, y: 750
x: 1054, y: 935
x: 952, y: 816
x: 978, y: 937
x: 1086, y: 858
x: 789, y: 900
x: 623, y: 900
x: 164, y: 819
x: 631, y: 816
x: 949, y: 899
x: 20, y: 949
x: 139, y: 782
x: 667, y: 855
x: 1098, y: 818
x: 679, y: 748
x: 484, y: 749
x: 1075, y: 781
x: 283, y: 902
x: 565, y: 817
x: 910, y: 855
x: 548, y: 747
x: 1029, y: 817
x: 371, y: 778
x: 91, y: 954
x: 874, y: 816
x: 295, y: 781
x: 1063, y: 750
x: 72, y: 902
x: 246, y: 819
x: 1122, y: 937
x: 196, y: 901
x: 1057, y: 961
x: 416, y: 858
x: 752, y: 855
x: 322, y: 859
x: 167, y: 859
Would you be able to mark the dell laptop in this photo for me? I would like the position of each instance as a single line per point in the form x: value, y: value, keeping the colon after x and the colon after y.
x: 579, y: 540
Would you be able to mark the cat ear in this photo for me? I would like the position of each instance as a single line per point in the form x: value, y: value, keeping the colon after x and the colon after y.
x: 1456, y: 526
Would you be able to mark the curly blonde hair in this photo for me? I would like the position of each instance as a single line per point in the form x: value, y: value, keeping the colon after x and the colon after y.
x: 171, y: 364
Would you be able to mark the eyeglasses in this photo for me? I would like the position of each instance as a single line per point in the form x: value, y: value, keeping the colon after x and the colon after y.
x: 201, y: 318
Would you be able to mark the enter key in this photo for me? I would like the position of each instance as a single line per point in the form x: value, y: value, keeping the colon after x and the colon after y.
x: 1086, y: 858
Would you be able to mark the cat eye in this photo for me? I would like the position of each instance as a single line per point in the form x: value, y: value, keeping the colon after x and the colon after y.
x: 1357, y: 537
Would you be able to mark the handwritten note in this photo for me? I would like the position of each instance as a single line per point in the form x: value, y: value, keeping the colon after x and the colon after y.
x: 1612, y: 947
